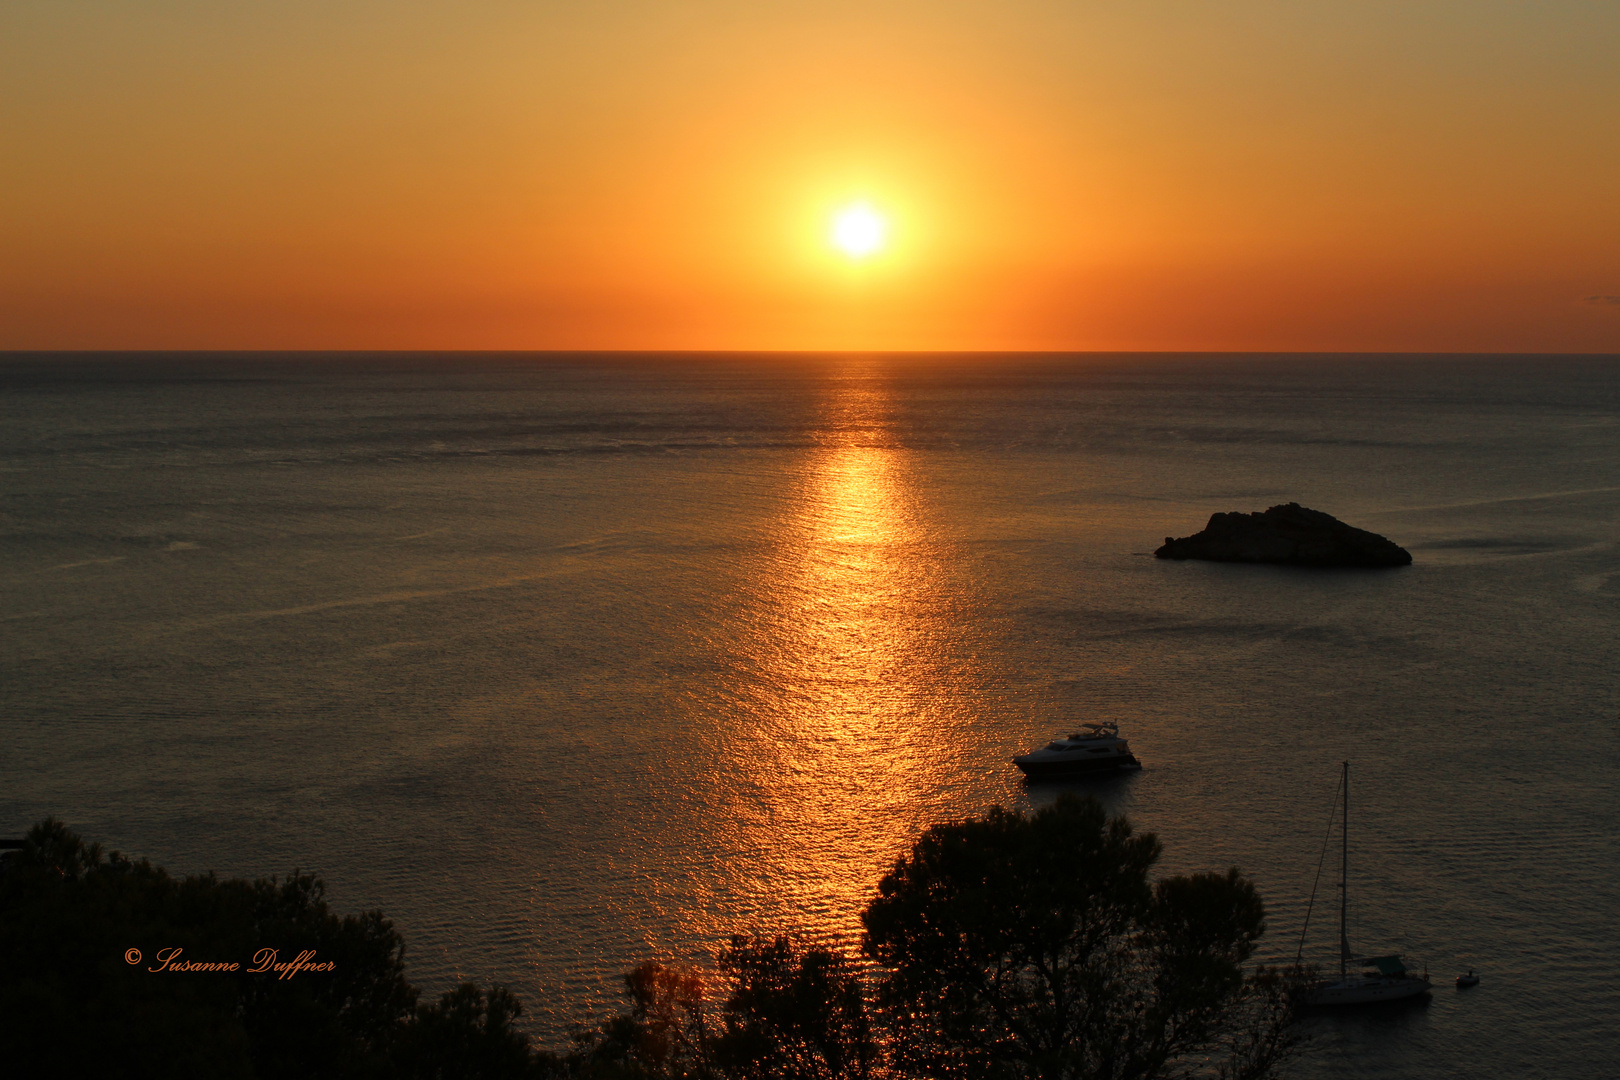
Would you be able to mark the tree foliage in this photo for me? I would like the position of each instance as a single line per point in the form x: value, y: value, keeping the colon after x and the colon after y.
x: 1037, y: 947
x: 467, y: 1035
x: 793, y: 1014
x: 74, y: 1001
x: 1005, y: 947
x: 662, y: 1035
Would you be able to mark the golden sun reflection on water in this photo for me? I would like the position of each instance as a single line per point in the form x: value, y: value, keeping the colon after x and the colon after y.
x: 847, y: 738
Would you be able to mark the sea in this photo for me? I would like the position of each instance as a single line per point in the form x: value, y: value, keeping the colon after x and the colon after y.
x: 571, y: 661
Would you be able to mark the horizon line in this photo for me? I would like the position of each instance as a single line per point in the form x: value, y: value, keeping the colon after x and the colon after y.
x: 12, y: 353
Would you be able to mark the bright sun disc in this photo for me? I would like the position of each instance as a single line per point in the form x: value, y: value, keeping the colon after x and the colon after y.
x: 859, y: 231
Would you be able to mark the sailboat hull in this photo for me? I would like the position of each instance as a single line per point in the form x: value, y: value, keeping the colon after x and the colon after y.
x: 1362, y: 991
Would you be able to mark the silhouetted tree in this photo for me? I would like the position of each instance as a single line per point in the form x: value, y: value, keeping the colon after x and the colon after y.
x: 1036, y: 947
x: 663, y: 1035
x: 77, y: 1001
x: 793, y: 1014
x: 1010, y: 947
x: 468, y: 1035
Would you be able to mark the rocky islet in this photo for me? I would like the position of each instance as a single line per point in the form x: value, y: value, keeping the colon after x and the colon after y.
x: 1289, y: 534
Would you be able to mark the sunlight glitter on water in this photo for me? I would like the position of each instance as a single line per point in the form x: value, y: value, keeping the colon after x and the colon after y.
x: 844, y: 740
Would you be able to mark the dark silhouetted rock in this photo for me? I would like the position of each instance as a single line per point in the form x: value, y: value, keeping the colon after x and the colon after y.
x: 1288, y: 534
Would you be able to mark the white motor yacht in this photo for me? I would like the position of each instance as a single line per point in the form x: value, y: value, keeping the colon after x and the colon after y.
x: 1097, y: 749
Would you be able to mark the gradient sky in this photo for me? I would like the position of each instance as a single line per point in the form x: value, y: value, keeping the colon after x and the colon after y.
x: 628, y: 174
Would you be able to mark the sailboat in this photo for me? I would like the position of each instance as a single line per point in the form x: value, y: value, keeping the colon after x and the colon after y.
x: 1382, y: 978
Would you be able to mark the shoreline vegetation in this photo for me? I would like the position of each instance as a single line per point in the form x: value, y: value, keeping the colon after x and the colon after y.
x: 1007, y: 946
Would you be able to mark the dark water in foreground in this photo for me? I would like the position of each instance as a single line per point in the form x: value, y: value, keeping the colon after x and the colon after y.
x: 568, y: 662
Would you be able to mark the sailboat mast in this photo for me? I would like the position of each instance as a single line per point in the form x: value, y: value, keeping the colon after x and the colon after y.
x: 1344, y: 879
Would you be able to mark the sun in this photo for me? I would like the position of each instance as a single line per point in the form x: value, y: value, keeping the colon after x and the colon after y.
x: 859, y: 231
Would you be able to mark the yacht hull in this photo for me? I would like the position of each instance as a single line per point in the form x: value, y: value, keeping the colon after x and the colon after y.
x: 1039, y: 769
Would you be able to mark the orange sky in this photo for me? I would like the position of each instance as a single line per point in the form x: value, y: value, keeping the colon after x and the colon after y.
x: 628, y: 174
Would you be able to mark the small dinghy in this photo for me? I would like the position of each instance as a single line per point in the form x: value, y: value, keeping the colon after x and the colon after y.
x: 1465, y: 981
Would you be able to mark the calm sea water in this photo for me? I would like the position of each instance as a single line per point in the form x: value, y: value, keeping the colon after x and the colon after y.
x: 567, y: 662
